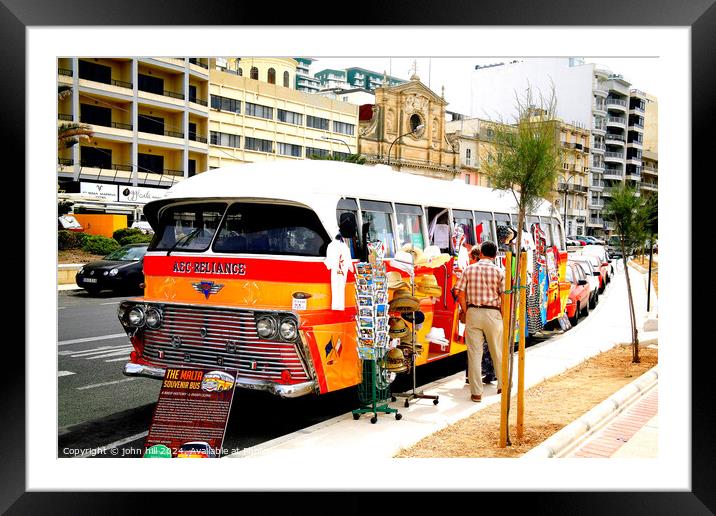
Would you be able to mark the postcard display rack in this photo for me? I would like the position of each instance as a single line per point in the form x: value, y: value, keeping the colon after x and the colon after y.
x: 413, y: 394
x: 372, y: 335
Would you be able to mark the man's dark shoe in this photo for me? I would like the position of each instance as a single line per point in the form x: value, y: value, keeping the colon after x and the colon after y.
x: 486, y: 379
x: 476, y: 397
x: 499, y: 391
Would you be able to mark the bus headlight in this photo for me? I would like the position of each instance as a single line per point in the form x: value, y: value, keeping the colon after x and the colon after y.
x: 153, y: 318
x: 136, y: 316
x: 287, y: 330
x: 266, y: 327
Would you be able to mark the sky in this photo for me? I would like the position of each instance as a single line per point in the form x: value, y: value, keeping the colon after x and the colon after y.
x: 456, y: 73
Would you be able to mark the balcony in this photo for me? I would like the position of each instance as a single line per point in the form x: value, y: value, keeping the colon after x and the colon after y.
x: 65, y: 117
x: 633, y: 176
x: 650, y: 170
x: 614, y: 156
x: 613, y: 174
x: 113, y: 125
x: 66, y: 162
x: 195, y: 138
x: 195, y: 61
x: 599, y: 129
x: 650, y: 187
x: 64, y: 71
x: 618, y: 103
x: 636, y: 143
x: 617, y: 121
x: 597, y: 185
x: 600, y: 90
x: 617, y: 138
x: 596, y: 205
x: 596, y: 222
x: 598, y: 168
x: 599, y: 147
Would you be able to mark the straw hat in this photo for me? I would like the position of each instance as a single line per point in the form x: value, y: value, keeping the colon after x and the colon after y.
x: 407, y: 348
x: 415, y: 252
x: 427, y: 284
x: 395, y: 280
x: 403, y: 261
x: 403, y: 301
x: 398, y: 328
x: 395, y: 361
x: 432, y: 257
x: 418, y: 316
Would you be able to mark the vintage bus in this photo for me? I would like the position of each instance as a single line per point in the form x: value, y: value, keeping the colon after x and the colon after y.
x: 235, y: 277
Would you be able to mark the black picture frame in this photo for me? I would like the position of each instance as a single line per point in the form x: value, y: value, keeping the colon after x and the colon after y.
x: 17, y: 15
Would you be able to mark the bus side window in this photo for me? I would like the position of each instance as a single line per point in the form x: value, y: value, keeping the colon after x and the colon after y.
x: 463, y: 218
x: 439, y: 229
x: 347, y: 218
x: 378, y: 224
x: 483, y: 227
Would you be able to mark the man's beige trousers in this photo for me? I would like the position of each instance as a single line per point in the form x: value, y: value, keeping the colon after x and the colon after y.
x: 481, y: 324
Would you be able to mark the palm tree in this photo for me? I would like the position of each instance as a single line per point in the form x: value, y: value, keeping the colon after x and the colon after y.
x: 526, y: 161
x: 630, y: 215
x: 70, y: 134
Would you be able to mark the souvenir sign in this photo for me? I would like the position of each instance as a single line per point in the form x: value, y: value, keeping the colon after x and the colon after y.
x: 191, y: 414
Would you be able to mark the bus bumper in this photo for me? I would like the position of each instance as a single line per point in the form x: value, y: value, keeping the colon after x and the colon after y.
x: 284, y: 391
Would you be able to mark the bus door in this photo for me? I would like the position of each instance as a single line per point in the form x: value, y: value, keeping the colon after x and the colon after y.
x: 377, y: 217
x: 440, y: 235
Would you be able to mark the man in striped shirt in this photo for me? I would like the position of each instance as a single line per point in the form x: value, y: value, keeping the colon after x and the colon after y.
x: 480, y: 297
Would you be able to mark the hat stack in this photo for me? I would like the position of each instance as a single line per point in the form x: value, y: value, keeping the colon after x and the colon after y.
x: 428, y: 285
x: 418, y: 316
x: 432, y: 257
x: 403, y: 301
x: 395, y: 280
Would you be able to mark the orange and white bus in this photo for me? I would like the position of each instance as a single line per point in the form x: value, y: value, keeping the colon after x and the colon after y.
x: 235, y: 277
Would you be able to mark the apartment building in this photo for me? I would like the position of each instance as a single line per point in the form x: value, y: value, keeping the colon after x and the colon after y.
x: 474, y: 138
x: 650, y: 153
x: 305, y: 82
x: 149, y: 122
x: 330, y: 79
x: 255, y: 120
x: 588, y: 95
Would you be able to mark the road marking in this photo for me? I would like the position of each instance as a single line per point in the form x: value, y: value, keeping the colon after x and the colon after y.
x: 64, y: 373
x: 61, y: 307
x: 81, y: 352
x: 124, y: 352
x: 91, y: 339
x: 115, y: 444
x: 105, y: 383
x: 112, y: 303
x: 116, y: 359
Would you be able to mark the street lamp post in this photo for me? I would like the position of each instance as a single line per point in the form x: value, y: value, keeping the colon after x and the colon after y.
x: 412, y: 131
x: 566, y: 187
x: 338, y: 140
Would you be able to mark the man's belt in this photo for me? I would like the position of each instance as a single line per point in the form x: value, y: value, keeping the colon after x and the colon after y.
x: 485, y: 306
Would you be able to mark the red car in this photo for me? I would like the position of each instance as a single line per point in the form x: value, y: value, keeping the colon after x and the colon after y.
x: 578, y: 301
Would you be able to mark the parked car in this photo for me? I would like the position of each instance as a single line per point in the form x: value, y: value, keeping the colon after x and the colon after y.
x: 614, y: 247
x: 577, y: 239
x: 592, y: 278
x: 601, y: 252
x: 578, y: 301
x: 120, y: 271
x: 600, y: 268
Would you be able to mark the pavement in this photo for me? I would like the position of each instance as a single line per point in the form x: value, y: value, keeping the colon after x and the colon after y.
x: 606, y: 326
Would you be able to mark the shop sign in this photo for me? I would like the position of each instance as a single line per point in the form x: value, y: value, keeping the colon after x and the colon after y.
x: 105, y: 191
x: 191, y: 413
x: 140, y: 194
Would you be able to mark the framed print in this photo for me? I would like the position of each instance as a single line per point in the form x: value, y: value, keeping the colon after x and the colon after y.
x: 37, y: 35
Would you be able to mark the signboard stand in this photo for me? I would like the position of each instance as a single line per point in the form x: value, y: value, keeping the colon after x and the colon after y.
x: 191, y: 414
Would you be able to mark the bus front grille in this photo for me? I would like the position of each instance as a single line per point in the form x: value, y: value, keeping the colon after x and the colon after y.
x: 223, y: 339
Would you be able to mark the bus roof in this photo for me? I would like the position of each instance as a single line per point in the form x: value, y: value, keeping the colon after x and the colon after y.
x: 319, y: 184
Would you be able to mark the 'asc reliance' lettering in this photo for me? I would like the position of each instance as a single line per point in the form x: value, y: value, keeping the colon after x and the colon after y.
x: 229, y: 269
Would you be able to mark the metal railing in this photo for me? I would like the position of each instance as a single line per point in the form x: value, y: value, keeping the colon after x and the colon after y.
x: 617, y: 155
x: 171, y: 172
x: 197, y: 138
x: 166, y: 93
x: 616, y: 120
x: 120, y: 125
x: 598, y: 184
x: 66, y: 162
x: 598, y: 146
x: 173, y: 134
x: 64, y: 71
x: 198, y: 63
x: 650, y: 169
x: 113, y: 166
x: 198, y: 101
x: 617, y: 102
x: 122, y: 84
x: 617, y: 137
x: 67, y: 118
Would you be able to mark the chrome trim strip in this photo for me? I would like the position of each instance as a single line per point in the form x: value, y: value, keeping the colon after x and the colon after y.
x: 284, y: 391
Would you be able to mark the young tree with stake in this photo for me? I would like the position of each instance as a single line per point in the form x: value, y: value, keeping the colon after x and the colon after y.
x: 526, y: 161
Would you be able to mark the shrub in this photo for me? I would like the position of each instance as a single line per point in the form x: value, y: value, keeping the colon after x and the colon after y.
x: 96, y: 244
x: 125, y: 232
x: 67, y: 240
x: 136, y: 239
x: 81, y: 237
